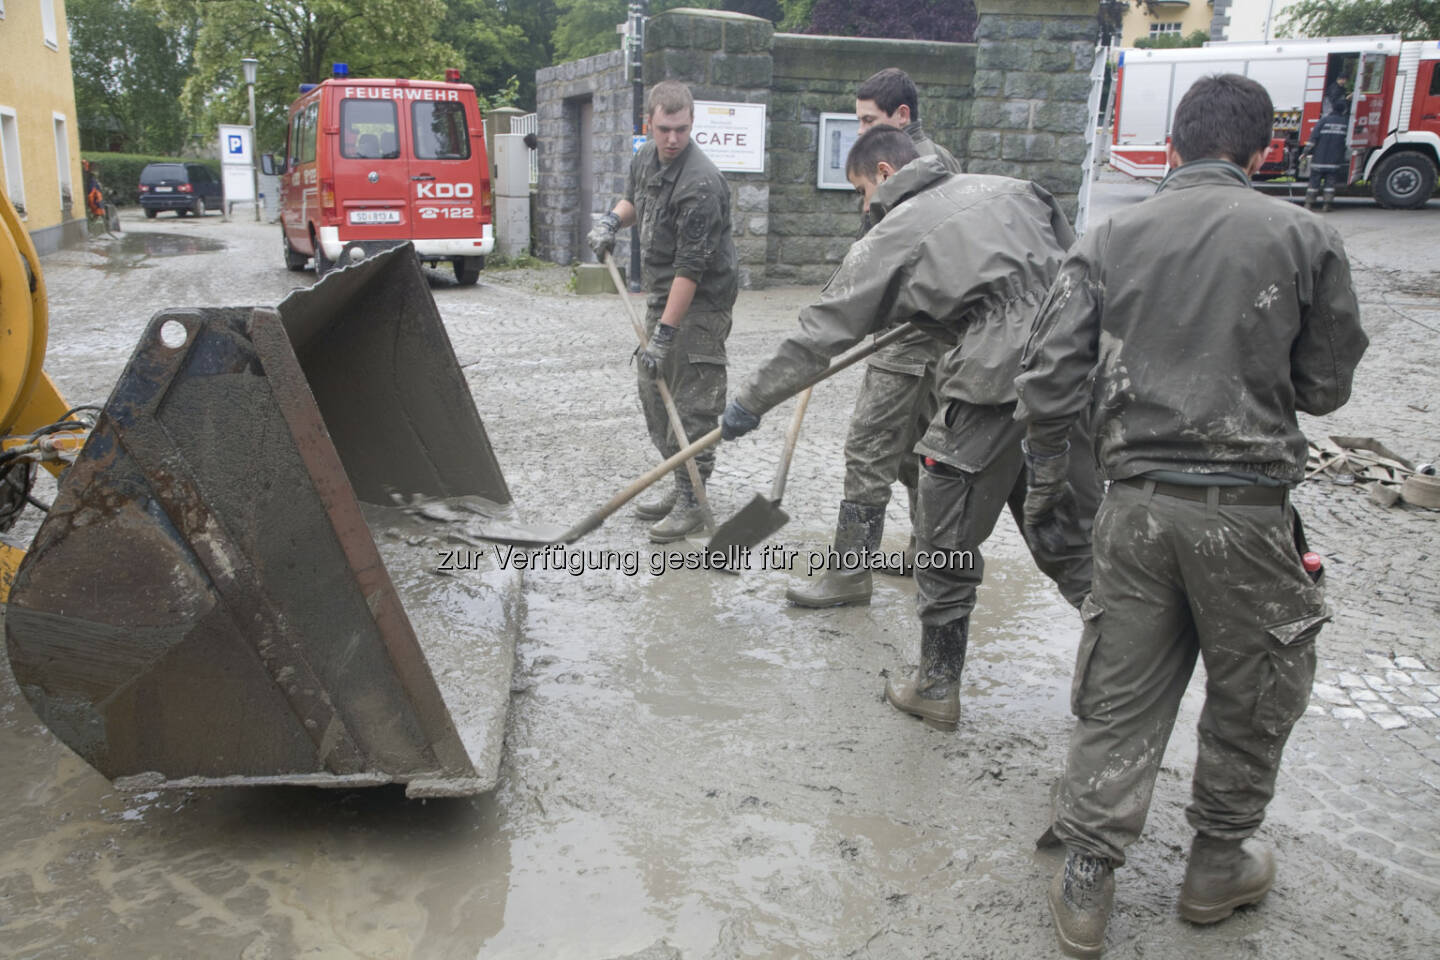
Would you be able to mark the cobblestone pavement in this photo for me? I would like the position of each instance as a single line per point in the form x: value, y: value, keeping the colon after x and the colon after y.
x: 695, y: 766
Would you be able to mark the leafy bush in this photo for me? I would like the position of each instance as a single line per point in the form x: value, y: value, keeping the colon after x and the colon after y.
x: 119, y: 173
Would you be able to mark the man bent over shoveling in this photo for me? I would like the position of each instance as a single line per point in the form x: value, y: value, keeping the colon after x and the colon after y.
x: 969, y: 259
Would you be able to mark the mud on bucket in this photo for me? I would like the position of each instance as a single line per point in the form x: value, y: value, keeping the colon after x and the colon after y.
x: 205, y: 603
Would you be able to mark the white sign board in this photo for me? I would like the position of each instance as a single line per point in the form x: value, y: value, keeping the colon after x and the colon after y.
x: 236, y: 162
x: 731, y: 134
x: 838, y: 133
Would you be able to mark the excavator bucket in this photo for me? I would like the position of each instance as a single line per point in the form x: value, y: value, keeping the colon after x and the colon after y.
x: 206, y: 602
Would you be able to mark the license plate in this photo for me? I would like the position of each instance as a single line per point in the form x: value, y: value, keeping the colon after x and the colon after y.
x: 164, y: 189
x: 374, y: 216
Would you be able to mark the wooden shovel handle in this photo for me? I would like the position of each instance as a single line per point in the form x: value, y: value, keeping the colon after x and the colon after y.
x: 791, y: 436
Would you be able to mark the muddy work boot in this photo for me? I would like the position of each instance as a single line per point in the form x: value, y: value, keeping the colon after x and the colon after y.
x: 1310, y: 197
x: 1223, y: 875
x: 683, y: 519
x: 1081, y: 896
x: 933, y: 694
x: 857, y: 532
x: 657, y: 508
x: 1329, y: 201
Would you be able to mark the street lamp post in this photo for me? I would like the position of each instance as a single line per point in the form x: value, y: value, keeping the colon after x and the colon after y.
x: 250, y: 64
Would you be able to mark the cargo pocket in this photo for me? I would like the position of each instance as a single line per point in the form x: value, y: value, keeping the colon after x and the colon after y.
x: 1090, y: 616
x: 940, y: 512
x: 1286, y: 673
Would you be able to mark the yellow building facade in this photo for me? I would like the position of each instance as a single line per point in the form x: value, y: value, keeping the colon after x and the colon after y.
x: 39, y: 135
x: 1181, y: 17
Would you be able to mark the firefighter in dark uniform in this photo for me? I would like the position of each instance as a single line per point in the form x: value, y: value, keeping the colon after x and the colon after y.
x: 897, y: 396
x: 970, y: 258
x: 1328, y: 165
x: 1189, y: 351
x: 689, y: 272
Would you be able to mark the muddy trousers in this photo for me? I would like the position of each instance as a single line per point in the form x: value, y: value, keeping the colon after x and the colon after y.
x: 1176, y: 579
x: 977, y: 470
x: 892, y: 410
x: 695, y: 373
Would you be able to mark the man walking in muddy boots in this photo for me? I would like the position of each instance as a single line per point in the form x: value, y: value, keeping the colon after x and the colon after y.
x: 1188, y: 330
x: 896, y: 399
x: 969, y: 258
x: 689, y: 272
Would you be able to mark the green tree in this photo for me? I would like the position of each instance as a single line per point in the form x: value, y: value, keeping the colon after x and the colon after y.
x: 500, y: 40
x: 1412, y: 19
x: 127, y: 70
x: 296, y: 41
x: 1170, y: 41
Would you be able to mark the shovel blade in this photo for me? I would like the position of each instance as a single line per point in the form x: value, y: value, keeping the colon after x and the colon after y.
x: 757, y: 521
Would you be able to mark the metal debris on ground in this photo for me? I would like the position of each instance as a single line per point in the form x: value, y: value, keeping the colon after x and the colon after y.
x: 1350, y: 460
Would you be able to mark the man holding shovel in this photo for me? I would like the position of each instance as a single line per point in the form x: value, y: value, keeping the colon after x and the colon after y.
x: 969, y: 259
x: 897, y: 396
x: 689, y: 271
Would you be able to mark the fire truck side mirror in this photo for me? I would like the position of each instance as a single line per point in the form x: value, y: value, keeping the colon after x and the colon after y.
x: 269, y: 166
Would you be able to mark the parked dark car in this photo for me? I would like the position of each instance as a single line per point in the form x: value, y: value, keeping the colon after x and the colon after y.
x: 182, y: 187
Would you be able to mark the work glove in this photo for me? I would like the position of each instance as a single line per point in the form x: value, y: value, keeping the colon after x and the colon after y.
x: 1049, y: 498
x: 653, y: 358
x: 602, y: 235
x: 737, y: 421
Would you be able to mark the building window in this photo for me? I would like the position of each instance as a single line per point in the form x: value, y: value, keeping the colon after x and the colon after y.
x: 10, y: 159
x: 1165, y: 29
x: 62, y: 163
x: 47, y: 24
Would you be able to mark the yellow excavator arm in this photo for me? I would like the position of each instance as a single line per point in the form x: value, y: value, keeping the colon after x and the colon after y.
x: 29, y: 401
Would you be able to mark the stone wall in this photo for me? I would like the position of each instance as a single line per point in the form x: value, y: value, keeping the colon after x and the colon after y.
x: 1032, y: 79
x: 810, y: 229
x: 561, y: 225
x: 1013, y: 103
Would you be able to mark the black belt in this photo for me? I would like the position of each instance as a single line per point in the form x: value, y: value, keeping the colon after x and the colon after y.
x: 1250, y: 495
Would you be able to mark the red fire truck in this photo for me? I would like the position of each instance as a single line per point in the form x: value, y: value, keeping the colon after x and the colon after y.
x: 371, y: 164
x: 1394, y: 86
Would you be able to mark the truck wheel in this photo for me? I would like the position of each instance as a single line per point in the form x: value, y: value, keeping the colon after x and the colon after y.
x: 323, y: 264
x: 1404, y: 180
x: 197, y: 207
x: 467, y: 270
x: 293, y: 261
x: 150, y: 213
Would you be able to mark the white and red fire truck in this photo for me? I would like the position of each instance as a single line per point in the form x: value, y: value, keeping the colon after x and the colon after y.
x: 1394, y: 86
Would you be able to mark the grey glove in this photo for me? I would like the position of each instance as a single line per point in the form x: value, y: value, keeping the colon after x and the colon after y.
x: 657, y: 351
x: 602, y: 235
x: 1049, y: 498
x: 737, y: 421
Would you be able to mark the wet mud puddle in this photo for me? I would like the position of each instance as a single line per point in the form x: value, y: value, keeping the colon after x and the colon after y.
x: 463, y: 608
x: 131, y: 250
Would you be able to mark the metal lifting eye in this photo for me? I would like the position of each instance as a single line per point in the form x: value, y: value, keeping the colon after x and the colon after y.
x: 373, y: 177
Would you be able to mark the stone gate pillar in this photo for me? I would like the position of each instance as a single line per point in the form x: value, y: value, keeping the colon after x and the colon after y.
x: 1032, y: 79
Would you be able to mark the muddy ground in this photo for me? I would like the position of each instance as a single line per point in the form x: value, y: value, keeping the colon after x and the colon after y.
x: 694, y: 769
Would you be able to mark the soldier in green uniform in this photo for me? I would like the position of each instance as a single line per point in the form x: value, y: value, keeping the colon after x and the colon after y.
x: 689, y: 272
x: 970, y: 259
x: 1189, y: 329
x: 897, y: 396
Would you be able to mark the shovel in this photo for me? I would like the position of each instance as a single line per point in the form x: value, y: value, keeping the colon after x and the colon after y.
x: 762, y: 516
x: 542, y: 536
x: 696, y: 484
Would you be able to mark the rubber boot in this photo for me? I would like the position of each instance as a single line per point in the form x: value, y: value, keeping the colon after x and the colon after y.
x: 1310, y: 196
x: 1329, y: 201
x: 1223, y: 875
x: 682, y: 520
x: 933, y: 694
x: 659, y: 507
x: 858, y: 530
x: 1081, y: 896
